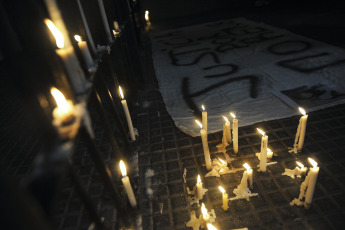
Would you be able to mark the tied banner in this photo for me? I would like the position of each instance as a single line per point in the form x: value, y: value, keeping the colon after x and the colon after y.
x: 254, y: 70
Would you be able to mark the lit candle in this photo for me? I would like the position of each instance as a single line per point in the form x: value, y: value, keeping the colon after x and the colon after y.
x: 244, y: 181
x: 84, y: 50
x: 235, y: 133
x: 86, y: 27
x: 199, y: 189
x: 204, y: 118
x: 249, y: 172
x: 63, y: 113
x: 313, y: 173
x: 301, y: 170
x: 227, y: 130
x: 211, y: 227
x: 147, y: 17
x: 116, y: 26
x: 263, y: 153
x: 128, y: 116
x: 105, y: 20
x: 74, y: 72
x: 269, y: 153
x: 300, y: 134
x: 205, y: 215
x: 205, y: 146
x: 225, y: 198
x: 127, y: 184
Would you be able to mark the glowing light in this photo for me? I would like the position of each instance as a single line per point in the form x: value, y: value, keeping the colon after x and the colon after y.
x: 312, y: 162
x: 204, y: 211
x: 203, y: 107
x: 121, y: 93
x: 147, y: 18
x: 123, y: 168
x: 226, y: 119
x: 300, y: 164
x: 223, y: 162
x: 77, y: 38
x: 211, y: 227
x: 57, y: 34
x: 246, y: 165
x: 233, y: 115
x: 198, y: 122
x: 199, y: 179
x: 63, y: 106
x: 260, y: 131
x: 302, y: 111
x: 222, y: 189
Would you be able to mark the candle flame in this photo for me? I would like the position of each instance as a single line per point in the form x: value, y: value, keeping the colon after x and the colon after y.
x: 222, y: 189
x: 123, y: 168
x: 269, y: 150
x: 233, y: 115
x: 77, y: 38
x: 260, y: 131
x: 198, y: 122
x: 314, y: 163
x: 246, y: 165
x: 57, y: 34
x: 199, y: 179
x: 226, y: 119
x: 204, y: 210
x: 211, y: 227
x: 147, y: 16
x: 203, y: 107
x: 60, y: 100
x: 300, y: 164
x: 302, y: 111
x: 121, y: 93
x: 223, y: 162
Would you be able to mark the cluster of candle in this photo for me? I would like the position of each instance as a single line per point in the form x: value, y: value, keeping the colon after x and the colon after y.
x: 205, y: 219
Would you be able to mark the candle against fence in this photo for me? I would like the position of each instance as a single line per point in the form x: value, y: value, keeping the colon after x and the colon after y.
x: 128, y: 115
x: 84, y: 50
x: 127, y: 184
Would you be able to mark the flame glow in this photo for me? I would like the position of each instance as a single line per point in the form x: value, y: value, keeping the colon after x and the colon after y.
x: 60, y: 99
x: 233, y: 115
x: 77, y: 38
x: 199, y: 179
x: 198, y: 122
x: 123, y: 168
x: 226, y: 119
x: 260, y: 131
x: 312, y: 162
x: 57, y: 34
x: 121, y: 93
x: 204, y: 210
x: 203, y: 107
x: 222, y: 189
x: 223, y: 162
x: 147, y: 16
x: 300, y: 164
x: 302, y: 111
x: 246, y: 165
x: 211, y: 227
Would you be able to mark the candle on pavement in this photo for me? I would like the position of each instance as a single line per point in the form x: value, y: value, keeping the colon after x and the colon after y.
x: 199, y: 189
x: 205, y: 146
x: 314, y: 171
x: 249, y: 172
x: 225, y: 205
x: 269, y: 153
x: 205, y: 215
x: 301, y: 129
x: 128, y: 115
x: 263, y: 153
x: 204, y: 117
x: 211, y: 227
x: 127, y: 184
x: 234, y: 133
x: 227, y: 130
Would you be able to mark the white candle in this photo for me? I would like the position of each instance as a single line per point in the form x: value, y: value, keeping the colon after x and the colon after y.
x: 301, y: 170
x: 85, y: 51
x: 128, y: 116
x: 105, y: 20
x: 269, y: 153
x: 86, y: 27
x: 263, y: 153
x: 225, y: 205
x: 116, y: 26
x: 205, y: 215
x: 205, y: 146
x: 211, y: 227
x: 199, y: 189
x: 234, y: 133
x: 301, y: 129
x: 249, y: 172
x: 244, y: 181
x: 147, y: 17
x: 204, y: 118
x: 313, y: 173
x: 127, y: 184
x: 67, y: 55
x: 64, y: 110
x: 227, y: 130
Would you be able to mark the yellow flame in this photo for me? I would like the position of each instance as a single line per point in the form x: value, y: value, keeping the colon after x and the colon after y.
x: 211, y: 227
x: 198, y: 122
x: 260, y: 131
x: 199, y: 179
x: 246, y: 165
x: 233, y: 115
x: 121, y: 93
x: 300, y: 164
x: 123, y: 168
x: 204, y: 210
x: 222, y: 189
x: 60, y: 100
x: 314, y: 163
x: 57, y: 34
x: 77, y: 38
x: 226, y: 119
x: 223, y: 162
x: 203, y: 107
x: 269, y: 150
x: 147, y: 15
x: 302, y: 111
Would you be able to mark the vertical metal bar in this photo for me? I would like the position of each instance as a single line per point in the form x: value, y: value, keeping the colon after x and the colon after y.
x: 106, y: 176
